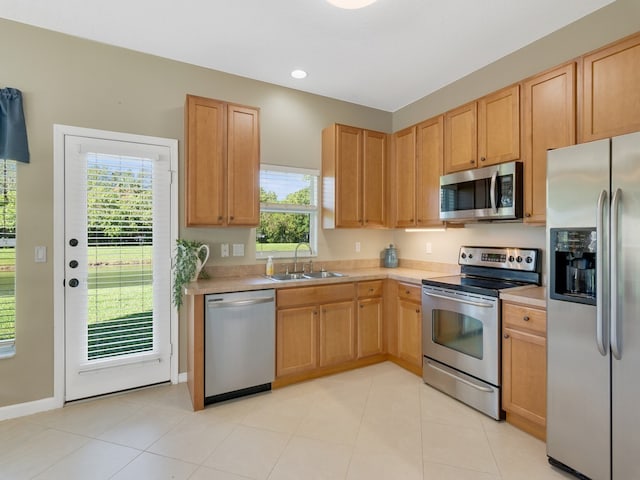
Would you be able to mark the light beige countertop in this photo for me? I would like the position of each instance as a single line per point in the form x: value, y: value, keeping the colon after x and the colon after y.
x: 261, y: 282
x: 533, y: 296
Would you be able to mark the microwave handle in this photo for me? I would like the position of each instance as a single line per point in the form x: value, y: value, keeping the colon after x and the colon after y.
x: 494, y: 177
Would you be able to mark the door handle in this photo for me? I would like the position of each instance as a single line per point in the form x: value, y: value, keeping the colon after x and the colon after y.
x: 616, y: 333
x: 468, y: 302
x: 482, y: 388
x: 601, y: 330
x: 492, y: 193
x: 238, y: 303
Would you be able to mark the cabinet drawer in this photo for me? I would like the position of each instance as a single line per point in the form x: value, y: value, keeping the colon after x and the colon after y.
x: 292, y: 297
x: 369, y: 289
x: 520, y: 316
x: 410, y: 292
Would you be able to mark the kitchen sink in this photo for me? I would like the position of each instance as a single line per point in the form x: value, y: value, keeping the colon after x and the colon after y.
x: 323, y: 274
x: 282, y: 277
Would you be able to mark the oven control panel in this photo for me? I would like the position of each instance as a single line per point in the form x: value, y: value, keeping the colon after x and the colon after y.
x: 506, y: 258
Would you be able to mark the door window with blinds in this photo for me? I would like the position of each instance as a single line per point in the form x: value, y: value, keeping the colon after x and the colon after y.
x: 7, y: 256
x: 288, y: 210
x: 117, y: 265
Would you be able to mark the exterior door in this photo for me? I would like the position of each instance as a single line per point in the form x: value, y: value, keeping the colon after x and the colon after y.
x: 118, y: 246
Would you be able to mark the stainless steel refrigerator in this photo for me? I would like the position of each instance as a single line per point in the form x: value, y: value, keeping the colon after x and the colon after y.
x: 593, y: 308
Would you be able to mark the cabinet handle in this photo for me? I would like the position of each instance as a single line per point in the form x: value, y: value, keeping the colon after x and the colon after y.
x: 315, y: 312
x: 371, y: 289
x: 407, y: 292
x: 527, y: 214
x: 417, y: 310
x: 506, y: 335
x: 526, y: 318
x: 483, y: 159
x: 472, y: 162
x: 231, y: 217
x: 220, y: 218
x: 361, y: 306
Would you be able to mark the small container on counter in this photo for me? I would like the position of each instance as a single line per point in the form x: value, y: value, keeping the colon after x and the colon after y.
x: 390, y: 257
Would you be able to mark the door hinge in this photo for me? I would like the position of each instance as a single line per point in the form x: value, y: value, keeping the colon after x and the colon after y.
x: 171, y: 349
x: 172, y: 175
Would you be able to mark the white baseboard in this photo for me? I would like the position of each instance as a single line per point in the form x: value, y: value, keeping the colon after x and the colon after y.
x: 182, y: 377
x: 29, y: 408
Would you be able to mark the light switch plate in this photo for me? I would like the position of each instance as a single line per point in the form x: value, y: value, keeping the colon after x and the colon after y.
x: 40, y: 255
x: 238, y: 249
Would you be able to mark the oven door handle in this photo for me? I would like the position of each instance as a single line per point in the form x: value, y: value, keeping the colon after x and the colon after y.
x: 468, y: 302
x: 482, y: 388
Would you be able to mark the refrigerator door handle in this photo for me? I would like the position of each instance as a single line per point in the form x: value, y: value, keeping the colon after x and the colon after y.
x: 616, y: 334
x: 601, y: 320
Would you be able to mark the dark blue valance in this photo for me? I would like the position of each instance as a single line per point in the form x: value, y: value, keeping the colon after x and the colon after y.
x: 13, y: 130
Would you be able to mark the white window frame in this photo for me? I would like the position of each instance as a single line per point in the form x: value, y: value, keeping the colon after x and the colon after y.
x: 8, y: 347
x: 312, y: 210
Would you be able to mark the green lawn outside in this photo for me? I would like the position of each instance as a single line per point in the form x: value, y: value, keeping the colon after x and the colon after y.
x: 133, y: 295
x: 276, y: 247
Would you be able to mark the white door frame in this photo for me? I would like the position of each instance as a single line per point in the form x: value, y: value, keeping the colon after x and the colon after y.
x: 59, y: 132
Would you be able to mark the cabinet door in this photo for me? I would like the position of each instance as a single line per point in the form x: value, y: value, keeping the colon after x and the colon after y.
x: 205, y: 162
x: 460, y: 138
x: 429, y: 167
x: 374, y: 179
x: 499, y: 127
x: 296, y: 340
x: 370, y: 341
x: 348, y: 192
x: 243, y: 166
x: 549, y: 121
x: 524, y: 375
x: 410, y: 332
x: 404, y: 178
x: 337, y: 333
x: 610, y: 94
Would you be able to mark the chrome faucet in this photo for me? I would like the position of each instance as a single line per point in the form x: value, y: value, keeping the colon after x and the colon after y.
x: 295, y: 258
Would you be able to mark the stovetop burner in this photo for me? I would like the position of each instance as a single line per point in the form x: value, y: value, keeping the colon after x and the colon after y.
x: 487, y: 270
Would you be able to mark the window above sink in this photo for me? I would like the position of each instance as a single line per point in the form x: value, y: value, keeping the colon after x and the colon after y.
x: 288, y: 211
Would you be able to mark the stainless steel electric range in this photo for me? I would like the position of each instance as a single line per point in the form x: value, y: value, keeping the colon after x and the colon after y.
x: 461, y: 322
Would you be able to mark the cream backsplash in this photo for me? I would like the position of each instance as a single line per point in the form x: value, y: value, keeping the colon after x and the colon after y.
x: 445, y: 245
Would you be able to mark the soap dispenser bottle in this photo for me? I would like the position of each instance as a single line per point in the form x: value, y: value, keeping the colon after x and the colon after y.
x: 269, y: 268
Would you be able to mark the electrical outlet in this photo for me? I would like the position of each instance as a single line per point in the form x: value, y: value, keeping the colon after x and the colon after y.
x: 429, y: 248
x: 238, y: 249
x: 357, y: 247
x: 224, y: 249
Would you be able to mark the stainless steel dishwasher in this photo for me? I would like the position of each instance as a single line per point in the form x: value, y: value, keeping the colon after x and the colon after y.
x: 240, y: 343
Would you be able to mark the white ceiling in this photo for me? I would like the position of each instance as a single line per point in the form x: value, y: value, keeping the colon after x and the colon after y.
x: 384, y: 56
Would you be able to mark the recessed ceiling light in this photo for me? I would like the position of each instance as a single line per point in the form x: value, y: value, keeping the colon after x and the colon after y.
x: 298, y: 74
x: 350, y: 4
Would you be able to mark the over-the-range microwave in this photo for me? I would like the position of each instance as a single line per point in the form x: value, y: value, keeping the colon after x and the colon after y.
x: 487, y: 193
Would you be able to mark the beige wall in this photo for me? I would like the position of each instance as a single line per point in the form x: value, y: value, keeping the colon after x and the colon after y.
x: 70, y: 81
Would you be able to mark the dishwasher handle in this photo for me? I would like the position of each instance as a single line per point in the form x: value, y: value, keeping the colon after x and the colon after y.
x: 220, y: 303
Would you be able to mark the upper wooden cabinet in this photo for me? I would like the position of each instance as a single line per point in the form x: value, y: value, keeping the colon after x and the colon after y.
x: 611, y: 90
x: 417, y: 165
x: 549, y: 121
x: 354, y: 191
x: 403, y: 197
x: 429, y: 166
x: 222, y: 163
x: 484, y: 132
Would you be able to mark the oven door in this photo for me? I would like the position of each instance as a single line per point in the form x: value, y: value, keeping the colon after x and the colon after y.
x: 462, y: 330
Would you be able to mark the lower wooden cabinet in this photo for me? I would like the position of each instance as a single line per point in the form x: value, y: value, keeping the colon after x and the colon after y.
x: 296, y: 340
x: 337, y: 333
x: 370, y: 340
x: 409, y: 321
x: 524, y: 367
x: 370, y: 318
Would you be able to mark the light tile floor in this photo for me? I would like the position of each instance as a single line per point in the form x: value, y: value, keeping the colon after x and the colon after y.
x: 379, y: 422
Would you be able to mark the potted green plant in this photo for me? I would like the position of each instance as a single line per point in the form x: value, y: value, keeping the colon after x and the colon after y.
x: 190, y: 257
